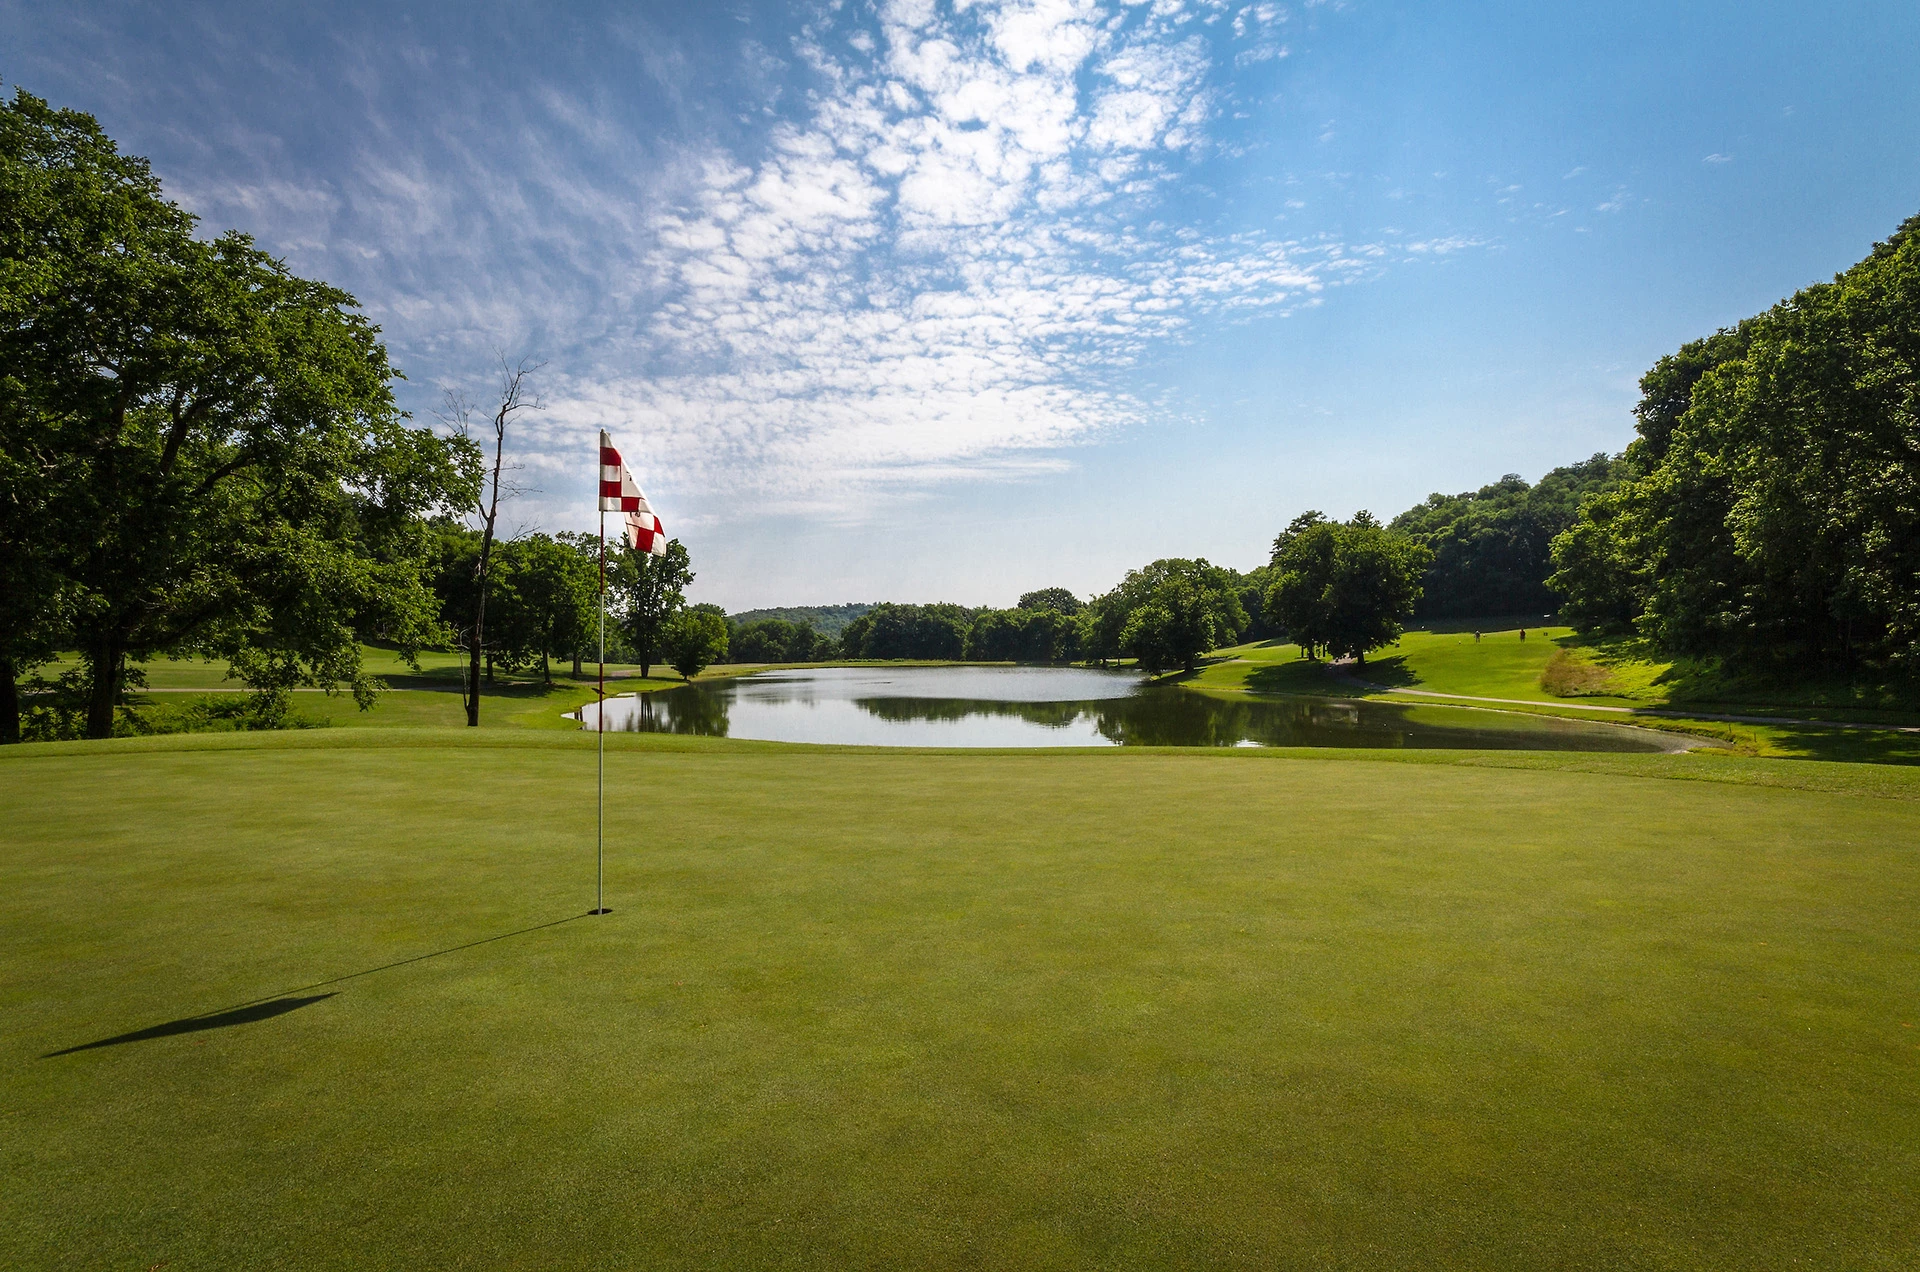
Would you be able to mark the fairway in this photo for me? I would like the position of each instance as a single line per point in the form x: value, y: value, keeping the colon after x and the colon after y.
x: 1123, y: 1009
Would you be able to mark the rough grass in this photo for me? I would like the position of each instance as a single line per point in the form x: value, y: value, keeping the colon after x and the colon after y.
x: 1566, y: 676
x: 1118, y: 1009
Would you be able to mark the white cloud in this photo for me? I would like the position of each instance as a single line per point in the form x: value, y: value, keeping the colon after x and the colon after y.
x: 931, y: 273
x: 1718, y: 158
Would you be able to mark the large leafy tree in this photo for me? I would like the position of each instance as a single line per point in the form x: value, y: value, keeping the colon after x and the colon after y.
x: 651, y: 590
x: 1050, y: 598
x: 694, y: 639
x: 220, y: 464
x: 1174, y: 610
x: 1347, y: 588
x: 1773, y: 513
x: 1101, y: 624
x: 546, y: 597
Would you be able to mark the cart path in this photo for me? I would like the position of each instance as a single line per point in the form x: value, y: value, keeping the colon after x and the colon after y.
x: 1643, y: 712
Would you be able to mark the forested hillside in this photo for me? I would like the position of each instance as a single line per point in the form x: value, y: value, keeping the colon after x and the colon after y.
x: 1492, y: 547
x: 828, y: 620
x: 1770, y: 513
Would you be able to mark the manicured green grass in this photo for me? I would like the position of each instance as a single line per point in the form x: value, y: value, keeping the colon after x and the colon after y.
x: 1116, y: 1009
x: 1498, y: 665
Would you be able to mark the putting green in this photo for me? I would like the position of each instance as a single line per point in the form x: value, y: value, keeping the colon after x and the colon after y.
x: 1118, y: 1009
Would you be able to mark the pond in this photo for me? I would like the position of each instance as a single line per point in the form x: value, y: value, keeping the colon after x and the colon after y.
x: 1058, y: 706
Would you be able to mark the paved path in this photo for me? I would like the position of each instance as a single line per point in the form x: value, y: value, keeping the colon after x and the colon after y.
x: 1357, y: 683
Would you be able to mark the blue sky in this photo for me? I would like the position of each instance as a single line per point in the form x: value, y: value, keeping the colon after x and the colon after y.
x: 922, y: 301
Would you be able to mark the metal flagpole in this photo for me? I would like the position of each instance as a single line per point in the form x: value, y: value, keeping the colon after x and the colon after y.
x: 600, y: 726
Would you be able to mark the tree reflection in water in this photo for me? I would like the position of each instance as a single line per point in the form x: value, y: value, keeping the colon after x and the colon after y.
x: 794, y: 709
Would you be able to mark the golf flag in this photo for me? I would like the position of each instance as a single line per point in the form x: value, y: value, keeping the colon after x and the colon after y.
x: 619, y: 492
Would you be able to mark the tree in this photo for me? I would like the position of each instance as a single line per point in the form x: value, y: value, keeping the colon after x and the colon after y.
x: 694, y: 639
x: 1772, y: 514
x: 1295, y: 528
x: 1101, y: 624
x: 1051, y: 598
x: 1195, y: 607
x: 515, y: 397
x: 652, y: 590
x: 775, y: 640
x: 1348, y: 589
x: 219, y: 457
x: 908, y: 631
x: 617, y: 568
x: 34, y: 598
x: 550, y: 598
x: 1024, y: 635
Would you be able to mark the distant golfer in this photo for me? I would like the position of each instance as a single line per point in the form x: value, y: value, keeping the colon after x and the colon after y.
x: 1476, y: 638
x: 1523, y: 633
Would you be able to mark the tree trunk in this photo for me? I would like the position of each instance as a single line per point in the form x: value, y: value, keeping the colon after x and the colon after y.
x: 1360, y: 659
x: 9, y: 703
x: 107, y: 653
x: 473, y: 679
x: 546, y: 671
x: 577, y: 673
x: 489, y: 666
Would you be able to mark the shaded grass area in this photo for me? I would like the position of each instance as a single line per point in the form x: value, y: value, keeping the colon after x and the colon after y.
x: 1127, y: 1009
x: 193, y: 694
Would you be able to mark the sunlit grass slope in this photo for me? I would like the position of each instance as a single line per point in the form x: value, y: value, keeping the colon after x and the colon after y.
x: 1498, y: 665
x: 1509, y: 671
x: 1119, y: 1009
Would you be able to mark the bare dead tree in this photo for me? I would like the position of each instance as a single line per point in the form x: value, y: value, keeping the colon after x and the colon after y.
x: 497, y: 484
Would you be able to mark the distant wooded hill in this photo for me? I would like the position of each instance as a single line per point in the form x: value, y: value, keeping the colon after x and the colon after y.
x: 829, y: 620
x: 1492, y: 547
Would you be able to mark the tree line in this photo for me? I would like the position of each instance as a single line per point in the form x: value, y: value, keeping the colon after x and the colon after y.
x: 1768, y: 512
x: 201, y: 455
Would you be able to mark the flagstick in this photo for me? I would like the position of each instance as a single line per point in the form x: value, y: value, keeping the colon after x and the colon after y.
x: 600, y: 726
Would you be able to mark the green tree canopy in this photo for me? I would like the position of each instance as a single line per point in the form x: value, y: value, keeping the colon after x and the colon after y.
x: 1772, y: 513
x: 777, y: 640
x: 908, y: 631
x: 547, y: 598
x: 1492, y: 547
x: 1195, y: 606
x: 1050, y: 598
x: 222, y: 469
x: 1346, y: 589
x: 694, y: 639
x: 651, y: 590
x: 1045, y: 635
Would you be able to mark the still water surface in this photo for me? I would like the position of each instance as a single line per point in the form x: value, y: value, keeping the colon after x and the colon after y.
x: 1061, y: 706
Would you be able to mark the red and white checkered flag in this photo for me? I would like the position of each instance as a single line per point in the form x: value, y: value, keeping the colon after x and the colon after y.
x: 619, y: 492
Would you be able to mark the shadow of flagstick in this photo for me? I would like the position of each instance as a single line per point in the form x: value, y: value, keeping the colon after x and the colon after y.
x: 286, y: 1000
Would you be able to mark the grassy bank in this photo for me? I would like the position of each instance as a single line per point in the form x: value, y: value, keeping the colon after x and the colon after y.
x: 1123, y: 1009
x: 1598, y: 681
